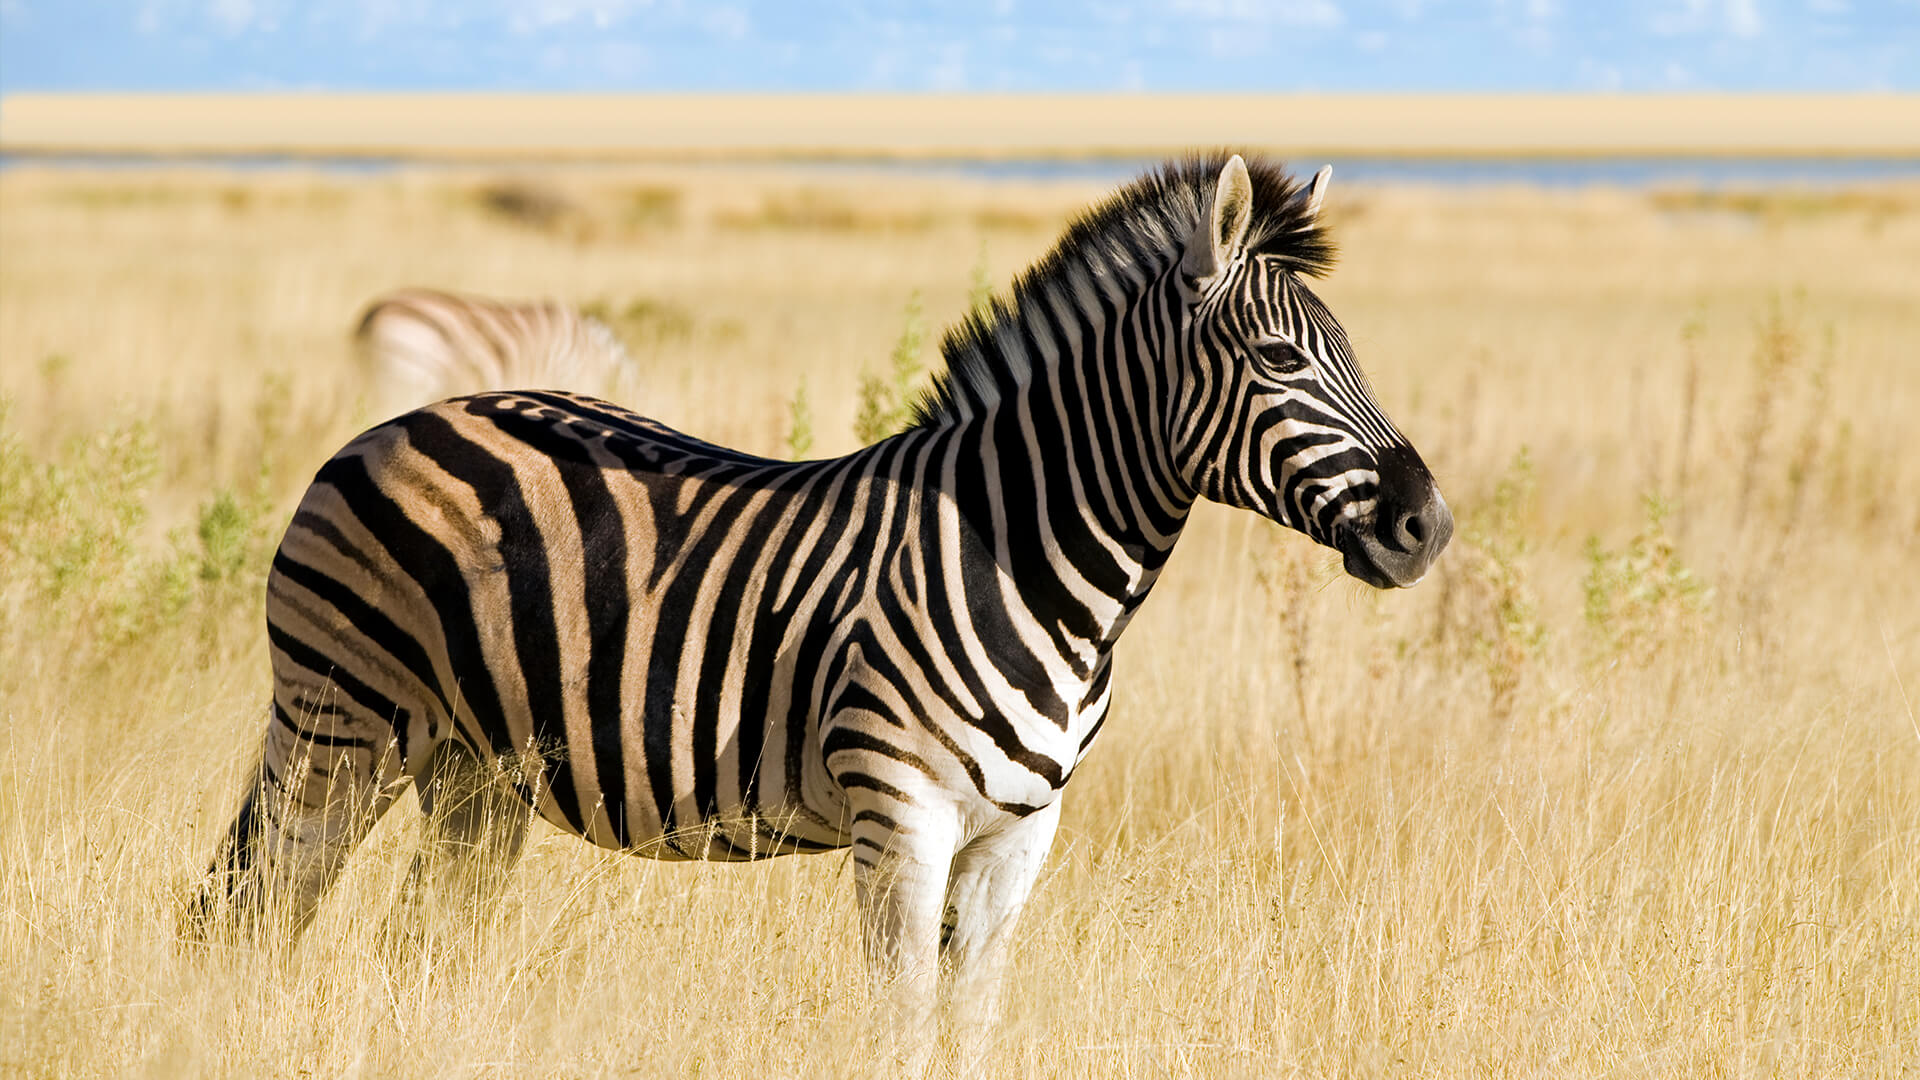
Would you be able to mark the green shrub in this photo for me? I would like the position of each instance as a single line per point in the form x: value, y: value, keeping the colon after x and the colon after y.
x: 886, y: 402
x: 1488, y: 610
x: 799, y: 423
x: 77, y: 559
x: 1643, y: 596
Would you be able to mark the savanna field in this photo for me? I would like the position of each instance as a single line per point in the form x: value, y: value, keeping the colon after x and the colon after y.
x: 1629, y: 786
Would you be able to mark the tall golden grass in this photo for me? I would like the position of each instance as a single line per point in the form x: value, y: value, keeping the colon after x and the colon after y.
x: 1630, y: 786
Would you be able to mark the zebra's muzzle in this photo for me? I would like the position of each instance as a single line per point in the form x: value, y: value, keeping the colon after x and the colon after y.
x: 1408, y: 530
x: 1383, y: 567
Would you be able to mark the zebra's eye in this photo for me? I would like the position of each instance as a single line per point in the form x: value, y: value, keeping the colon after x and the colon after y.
x: 1282, y: 356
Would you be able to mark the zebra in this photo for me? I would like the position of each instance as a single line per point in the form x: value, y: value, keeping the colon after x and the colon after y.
x: 690, y: 652
x: 420, y: 345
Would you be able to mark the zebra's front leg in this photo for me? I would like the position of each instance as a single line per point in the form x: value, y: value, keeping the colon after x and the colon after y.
x: 991, y: 879
x: 900, y: 873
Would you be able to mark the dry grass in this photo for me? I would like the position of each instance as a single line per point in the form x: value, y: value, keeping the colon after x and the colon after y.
x: 1619, y: 791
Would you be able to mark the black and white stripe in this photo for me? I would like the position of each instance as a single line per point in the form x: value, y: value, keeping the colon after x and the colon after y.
x: 420, y: 345
x: 691, y: 652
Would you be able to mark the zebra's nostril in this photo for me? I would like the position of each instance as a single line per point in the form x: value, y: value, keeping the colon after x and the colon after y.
x: 1416, y: 527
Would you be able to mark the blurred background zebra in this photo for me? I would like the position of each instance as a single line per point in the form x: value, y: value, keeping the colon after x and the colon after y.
x: 417, y: 346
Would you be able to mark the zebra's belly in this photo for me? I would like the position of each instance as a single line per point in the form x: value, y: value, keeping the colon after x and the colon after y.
x: 722, y: 835
x: 683, y: 783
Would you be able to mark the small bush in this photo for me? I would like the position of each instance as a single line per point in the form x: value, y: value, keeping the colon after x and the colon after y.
x: 652, y: 206
x: 886, y: 402
x: 818, y: 211
x: 1642, y: 597
x: 644, y: 320
x: 799, y: 423
x: 67, y: 526
x: 71, y: 542
x: 980, y: 291
x: 525, y: 202
x: 1488, y: 609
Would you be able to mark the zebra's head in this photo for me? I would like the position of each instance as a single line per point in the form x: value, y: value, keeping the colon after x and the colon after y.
x: 1273, y: 414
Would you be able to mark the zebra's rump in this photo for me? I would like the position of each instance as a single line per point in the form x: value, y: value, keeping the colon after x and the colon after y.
x: 585, y: 594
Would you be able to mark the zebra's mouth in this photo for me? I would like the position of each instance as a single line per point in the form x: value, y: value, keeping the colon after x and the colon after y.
x: 1354, y: 559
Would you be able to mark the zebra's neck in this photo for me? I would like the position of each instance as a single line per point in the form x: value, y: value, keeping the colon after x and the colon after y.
x: 1060, y: 445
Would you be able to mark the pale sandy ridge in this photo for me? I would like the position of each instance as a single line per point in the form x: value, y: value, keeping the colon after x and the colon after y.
x: 641, y: 126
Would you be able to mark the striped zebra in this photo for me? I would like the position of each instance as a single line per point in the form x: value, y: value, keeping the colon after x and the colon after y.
x: 689, y: 652
x: 420, y: 345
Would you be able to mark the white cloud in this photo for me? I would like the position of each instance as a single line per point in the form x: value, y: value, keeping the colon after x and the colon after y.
x: 1279, y: 12
x: 727, y: 21
x: 1741, y: 18
x: 1685, y: 18
x: 537, y: 15
x: 373, y: 16
x: 1235, y: 42
x: 1533, y: 27
x: 231, y: 16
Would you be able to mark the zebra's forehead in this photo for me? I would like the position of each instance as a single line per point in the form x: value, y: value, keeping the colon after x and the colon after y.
x: 1280, y: 302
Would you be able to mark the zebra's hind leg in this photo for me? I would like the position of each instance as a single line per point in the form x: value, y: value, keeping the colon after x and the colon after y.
x: 317, y: 792
x: 476, y: 826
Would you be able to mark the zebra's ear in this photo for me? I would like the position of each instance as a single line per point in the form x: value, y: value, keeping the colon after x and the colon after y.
x: 1217, y: 242
x: 1317, y: 192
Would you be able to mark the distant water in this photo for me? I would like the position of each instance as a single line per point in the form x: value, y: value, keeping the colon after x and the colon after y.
x: 1547, y: 172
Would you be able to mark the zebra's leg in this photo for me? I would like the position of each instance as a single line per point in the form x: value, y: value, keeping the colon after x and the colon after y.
x: 320, y: 787
x: 476, y: 827
x: 900, y: 875
x: 992, y: 877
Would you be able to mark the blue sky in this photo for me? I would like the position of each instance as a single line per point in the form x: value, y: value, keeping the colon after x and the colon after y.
x: 746, y: 45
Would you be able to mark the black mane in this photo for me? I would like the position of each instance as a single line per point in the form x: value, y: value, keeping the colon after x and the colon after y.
x: 1143, y: 228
